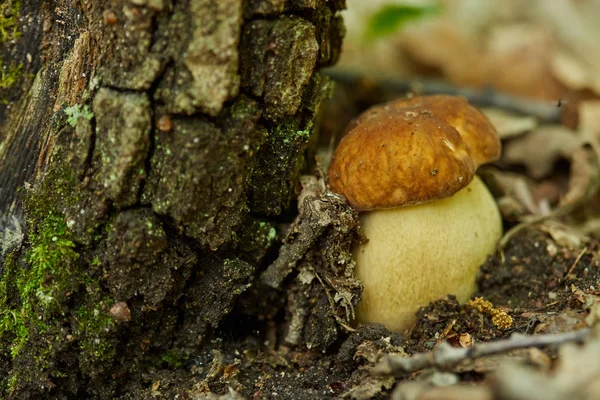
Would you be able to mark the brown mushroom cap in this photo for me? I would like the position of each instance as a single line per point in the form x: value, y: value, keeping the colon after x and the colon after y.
x: 411, y: 151
x: 475, y: 128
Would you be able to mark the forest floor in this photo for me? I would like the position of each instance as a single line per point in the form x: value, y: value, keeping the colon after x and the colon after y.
x: 545, y: 289
x: 543, y: 282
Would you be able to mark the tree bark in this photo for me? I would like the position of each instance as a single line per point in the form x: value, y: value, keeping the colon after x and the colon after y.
x: 149, y: 151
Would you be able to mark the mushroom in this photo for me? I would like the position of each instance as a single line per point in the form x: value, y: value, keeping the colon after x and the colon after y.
x: 409, y: 167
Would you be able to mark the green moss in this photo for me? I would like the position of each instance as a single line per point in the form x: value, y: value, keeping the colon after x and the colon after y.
x: 93, y: 325
x: 10, y: 266
x: 9, y: 76
x: 52, y: 249
x: 287, y: 134
x: 272, y: 234
x: 9, y: 20
x: 12, y: 381
x: 50, y: 257
x: 9, y: 23
x: 58, y: 187
x: 174, y: 358
x: 278, y: 167
x: 12, y: 319
x: 13, y: 323
x: 53, y: 287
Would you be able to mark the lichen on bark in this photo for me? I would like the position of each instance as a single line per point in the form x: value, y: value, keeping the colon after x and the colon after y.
x: 203, y: 75
x: 123, y: 124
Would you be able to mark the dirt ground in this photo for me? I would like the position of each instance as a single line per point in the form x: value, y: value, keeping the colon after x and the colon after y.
x: 544, y: 288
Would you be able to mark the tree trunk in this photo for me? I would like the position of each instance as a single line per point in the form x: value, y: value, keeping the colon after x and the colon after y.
x: 149, y: 152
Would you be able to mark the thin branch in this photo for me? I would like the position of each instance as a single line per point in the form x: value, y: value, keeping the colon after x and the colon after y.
x: 548, y: 112
x: 307, y: 233
x: 445, y: 356
x: 585, y: 249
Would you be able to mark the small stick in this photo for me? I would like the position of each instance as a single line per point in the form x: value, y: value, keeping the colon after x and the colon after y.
x: 576, y: 262
x: 548, y: 112
x: 444, y: 333
x: 445, y: 356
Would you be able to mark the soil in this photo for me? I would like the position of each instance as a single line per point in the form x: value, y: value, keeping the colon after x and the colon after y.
x: 541, y: 286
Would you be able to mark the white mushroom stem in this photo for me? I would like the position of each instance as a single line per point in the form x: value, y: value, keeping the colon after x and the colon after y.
x: 417, y: 254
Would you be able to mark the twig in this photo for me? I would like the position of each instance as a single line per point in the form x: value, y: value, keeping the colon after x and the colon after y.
x: 576, y: 262
x: 446, y: 356
x: 444, y: 333
x: 548, y: 112
x: 308, y: 231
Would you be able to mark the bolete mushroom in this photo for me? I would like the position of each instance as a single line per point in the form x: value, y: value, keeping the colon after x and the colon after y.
x: 409, y: 167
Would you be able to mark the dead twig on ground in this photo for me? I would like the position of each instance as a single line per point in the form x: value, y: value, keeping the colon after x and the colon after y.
x: 445, y: 356
x: 547, y: 112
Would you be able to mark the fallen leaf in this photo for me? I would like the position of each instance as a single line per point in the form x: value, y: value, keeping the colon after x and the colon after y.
x: 576, y: 373
x: 368, y: 387
x: 575, y: 25
x: 509, y: 125
x: 564, y: 235
x: 514, y: 191
x: 541, y: 148
x: 450, y: 393
x: 584, y: 181
x: 566, y: 321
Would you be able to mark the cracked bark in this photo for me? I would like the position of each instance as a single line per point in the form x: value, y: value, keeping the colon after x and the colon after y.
x: 202, y: 115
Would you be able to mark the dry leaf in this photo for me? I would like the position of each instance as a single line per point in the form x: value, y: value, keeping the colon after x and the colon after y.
x: 540, y: 149
x: 423, y: 384
x: 514, y: 192
x: 591, y: 227
x: 535, y: 48
x: 510, y: 208
x: 540, y: 359
x: 576, y: 25
x: 510, y: 125
x: 575, y: 376
x: 589, y: 117
x: 451, y: 393
x: 566, y: 321
x: 584, y: 181
x: 564, y: 235
x: 369, y: 386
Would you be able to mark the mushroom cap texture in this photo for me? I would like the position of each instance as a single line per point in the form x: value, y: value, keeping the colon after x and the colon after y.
x: 411, y: 151
x: 420, y: 253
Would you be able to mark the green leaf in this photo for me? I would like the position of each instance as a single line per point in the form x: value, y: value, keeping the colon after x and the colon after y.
x: 392, y: 17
